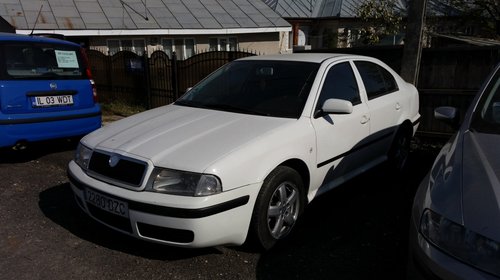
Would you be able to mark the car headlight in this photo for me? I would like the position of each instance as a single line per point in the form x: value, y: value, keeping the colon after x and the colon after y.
x: 82, y: 156
x: 183, y: 183
x: 461, y: 243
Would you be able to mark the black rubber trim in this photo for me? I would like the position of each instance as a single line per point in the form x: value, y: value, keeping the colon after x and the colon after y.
x: 417, y: 121
x: 355, y: 149
x: 50, y: 119
x: 51, y: 93
x: 171, y: 211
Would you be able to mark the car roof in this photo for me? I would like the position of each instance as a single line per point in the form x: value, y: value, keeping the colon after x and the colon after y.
x: 304, y: 57
x: 33, y: 38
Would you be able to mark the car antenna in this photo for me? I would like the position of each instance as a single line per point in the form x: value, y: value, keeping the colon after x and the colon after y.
x: 36, y: 20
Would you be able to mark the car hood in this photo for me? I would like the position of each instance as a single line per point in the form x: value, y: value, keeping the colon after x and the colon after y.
x: 182, y: 138
x: 481, y: 185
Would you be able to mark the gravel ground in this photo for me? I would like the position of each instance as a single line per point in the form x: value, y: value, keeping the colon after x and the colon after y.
x: 358, y: 230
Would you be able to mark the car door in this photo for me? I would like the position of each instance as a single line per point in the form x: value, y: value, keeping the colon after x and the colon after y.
x: 384, y: 102
x: 340, y: 137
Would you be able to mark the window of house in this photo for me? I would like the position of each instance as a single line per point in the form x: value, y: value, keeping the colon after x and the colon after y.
x: 183, y: 48
x: 376, y: 79
x: 223, y: 44
x: 137, y: 46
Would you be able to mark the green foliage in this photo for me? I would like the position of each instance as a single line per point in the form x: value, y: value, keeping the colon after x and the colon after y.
x: 381, y: 17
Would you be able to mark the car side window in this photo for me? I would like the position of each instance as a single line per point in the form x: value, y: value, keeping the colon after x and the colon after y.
x: 340, y: 83
x: 377, y: 80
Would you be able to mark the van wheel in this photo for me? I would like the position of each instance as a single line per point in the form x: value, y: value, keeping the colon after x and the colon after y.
x: 279, y: 204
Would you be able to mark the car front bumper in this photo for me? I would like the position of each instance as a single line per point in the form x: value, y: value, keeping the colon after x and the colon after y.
x: 425, y: 260
x: 221, y: 219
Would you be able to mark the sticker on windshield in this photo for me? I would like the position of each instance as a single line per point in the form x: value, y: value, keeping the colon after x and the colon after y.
x: 66, y: 59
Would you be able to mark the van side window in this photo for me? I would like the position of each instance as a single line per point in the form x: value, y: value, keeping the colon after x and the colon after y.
x: 340, y: 83
x: 377, y: 80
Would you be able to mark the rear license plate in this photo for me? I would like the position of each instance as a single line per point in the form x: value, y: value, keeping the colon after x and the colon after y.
x: 57, y: 100
x: 107, y: 203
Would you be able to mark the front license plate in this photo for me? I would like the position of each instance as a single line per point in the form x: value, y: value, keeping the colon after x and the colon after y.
x: 107, y: 203
x: 58, y: 100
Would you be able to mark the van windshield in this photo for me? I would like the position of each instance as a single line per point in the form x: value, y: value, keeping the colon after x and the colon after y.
x: 40, y: 61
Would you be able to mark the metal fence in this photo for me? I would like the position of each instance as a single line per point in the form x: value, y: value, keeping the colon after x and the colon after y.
x: 155, y: 80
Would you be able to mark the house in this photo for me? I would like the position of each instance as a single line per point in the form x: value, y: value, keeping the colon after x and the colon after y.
x: 320, y: 24
x: 324, y: 24
x: 181, y: 26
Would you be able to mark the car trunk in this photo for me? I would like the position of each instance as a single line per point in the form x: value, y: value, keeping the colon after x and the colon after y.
x: 41, y: 77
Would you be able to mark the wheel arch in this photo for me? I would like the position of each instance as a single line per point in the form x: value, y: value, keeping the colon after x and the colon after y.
x: 406, y: 126
x: 301, y: 167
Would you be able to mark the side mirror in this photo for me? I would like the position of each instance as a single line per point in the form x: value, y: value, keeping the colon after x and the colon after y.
x: 448, y: 115
x: 334, y: 106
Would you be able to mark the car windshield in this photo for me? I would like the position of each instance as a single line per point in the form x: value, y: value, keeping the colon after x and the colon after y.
x: 263, y: 87
x: 486, y: 117
x: 41, y: 61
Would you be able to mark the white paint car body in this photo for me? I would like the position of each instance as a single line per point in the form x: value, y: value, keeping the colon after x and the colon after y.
x: 241, y: 150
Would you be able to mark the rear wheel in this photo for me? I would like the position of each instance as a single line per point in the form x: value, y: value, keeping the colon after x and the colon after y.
x: 278, y: 206
x: 400, y: 149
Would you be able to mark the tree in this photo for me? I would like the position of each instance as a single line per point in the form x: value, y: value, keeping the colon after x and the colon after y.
x: 484, y: 14
x: 382, y: 18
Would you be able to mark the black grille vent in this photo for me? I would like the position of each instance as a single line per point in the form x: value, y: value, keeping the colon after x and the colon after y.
x: 166, y: 234
x: 126, y: 171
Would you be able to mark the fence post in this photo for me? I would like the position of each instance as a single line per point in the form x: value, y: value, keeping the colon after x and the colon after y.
x: 175, y: 83
x: 147, y: 79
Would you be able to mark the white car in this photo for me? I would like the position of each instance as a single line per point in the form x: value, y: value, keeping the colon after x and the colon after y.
x: 244, y: 151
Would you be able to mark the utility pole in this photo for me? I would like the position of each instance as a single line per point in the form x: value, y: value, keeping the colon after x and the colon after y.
x: 412, y: 50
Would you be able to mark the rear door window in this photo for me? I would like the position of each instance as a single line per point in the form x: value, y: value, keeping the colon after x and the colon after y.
x: 41, y: 61
x: 376, y: 79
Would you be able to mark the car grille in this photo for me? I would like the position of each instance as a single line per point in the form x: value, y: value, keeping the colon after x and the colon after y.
x: 126, y: 171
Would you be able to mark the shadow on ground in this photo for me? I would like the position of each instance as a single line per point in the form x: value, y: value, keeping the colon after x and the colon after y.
x: 58, y: 204
x: 356, y: 231
x: 36, y: 150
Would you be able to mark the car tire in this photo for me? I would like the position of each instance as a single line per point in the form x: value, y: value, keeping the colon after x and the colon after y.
x: 400, y: 149
x: 279, y: 204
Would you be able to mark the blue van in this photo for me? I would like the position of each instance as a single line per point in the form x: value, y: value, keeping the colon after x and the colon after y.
x: 46, y: 90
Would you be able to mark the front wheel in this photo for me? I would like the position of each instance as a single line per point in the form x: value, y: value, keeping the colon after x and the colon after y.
x: 278, y: 206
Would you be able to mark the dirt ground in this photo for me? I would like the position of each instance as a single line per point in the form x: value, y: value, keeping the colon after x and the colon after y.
x: 356, y: 231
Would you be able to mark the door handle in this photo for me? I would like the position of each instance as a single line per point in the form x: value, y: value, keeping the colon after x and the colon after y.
x: 364, y: 119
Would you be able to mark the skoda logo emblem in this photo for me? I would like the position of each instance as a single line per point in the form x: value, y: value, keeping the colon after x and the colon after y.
x: 113, y: 160
x: 53, y: 86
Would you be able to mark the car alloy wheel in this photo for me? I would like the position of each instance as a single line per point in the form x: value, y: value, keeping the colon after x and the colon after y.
x: 278, y: 206
x: 283, y: 209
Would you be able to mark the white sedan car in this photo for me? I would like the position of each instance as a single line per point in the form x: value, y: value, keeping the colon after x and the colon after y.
x: 245, y: 150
